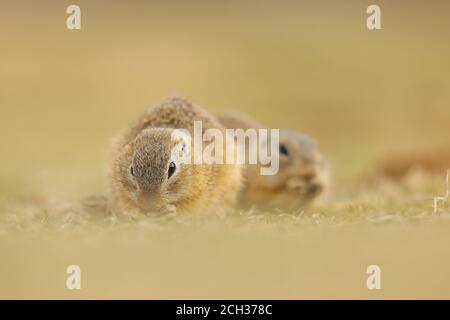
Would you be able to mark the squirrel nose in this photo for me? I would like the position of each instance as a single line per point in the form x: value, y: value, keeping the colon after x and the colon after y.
x: 151, y: 199
x: 150, y: 196
x: 309, y: 176
x: 314, y: 188
x: 151, y: 193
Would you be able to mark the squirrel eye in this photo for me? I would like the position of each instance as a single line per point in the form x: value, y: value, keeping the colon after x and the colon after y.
x: 172, y: 168
x: 283, y: 149
x: 132, y: 171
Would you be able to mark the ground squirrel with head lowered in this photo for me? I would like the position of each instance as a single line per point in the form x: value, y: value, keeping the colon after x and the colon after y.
x: 147, y: 172
x: 302, y: 175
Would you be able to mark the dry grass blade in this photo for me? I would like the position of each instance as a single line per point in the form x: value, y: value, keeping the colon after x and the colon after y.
x: 443, y: 198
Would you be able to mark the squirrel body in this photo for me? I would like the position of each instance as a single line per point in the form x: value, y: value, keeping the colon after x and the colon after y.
x: 147, y: 172
x: 302, y: 176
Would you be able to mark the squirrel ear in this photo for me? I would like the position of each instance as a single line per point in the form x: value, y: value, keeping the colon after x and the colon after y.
x: 181, y: 135
x: 182, y: 151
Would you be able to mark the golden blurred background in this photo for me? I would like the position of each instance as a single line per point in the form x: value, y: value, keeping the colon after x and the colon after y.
x: 307, y: 65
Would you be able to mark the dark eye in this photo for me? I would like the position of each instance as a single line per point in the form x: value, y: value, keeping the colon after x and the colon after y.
x: 132, y: 171
x: 172, y: 168
x: 283, y: 149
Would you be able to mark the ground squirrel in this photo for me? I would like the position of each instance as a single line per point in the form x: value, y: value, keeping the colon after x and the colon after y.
x: 302, y: 176
x: 398, y: 166
x: 146, y: 172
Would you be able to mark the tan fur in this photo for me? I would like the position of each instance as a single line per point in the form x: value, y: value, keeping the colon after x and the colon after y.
x: 302, y: 170
x: 147, y: 146
x: 397, y: 166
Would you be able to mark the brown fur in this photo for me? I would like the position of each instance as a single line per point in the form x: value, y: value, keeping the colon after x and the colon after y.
x: 302, y: 176
x: 396, y: 167
x: 146, y: 146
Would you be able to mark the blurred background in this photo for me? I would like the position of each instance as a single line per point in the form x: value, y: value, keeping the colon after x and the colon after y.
x: 307, y: 65
x: 312, y: 66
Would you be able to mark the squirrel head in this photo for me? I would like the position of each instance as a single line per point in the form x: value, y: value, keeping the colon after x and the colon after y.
x: 153, y: 169
x: 303, y: 170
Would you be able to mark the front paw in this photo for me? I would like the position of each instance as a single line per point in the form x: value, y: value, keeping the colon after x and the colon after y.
x: 170, y: 210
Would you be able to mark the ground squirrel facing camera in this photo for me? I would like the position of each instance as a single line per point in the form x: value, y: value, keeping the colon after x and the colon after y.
x: 302, y: 175
x: 147, y: 173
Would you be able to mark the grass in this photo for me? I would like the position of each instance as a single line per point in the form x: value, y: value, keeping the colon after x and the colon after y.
x: 320, y: 252
x: 363, y: 95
